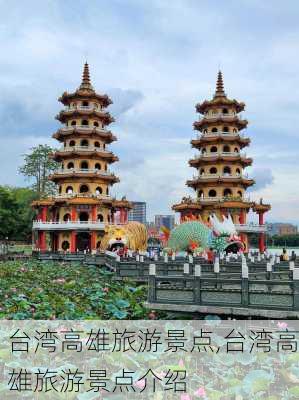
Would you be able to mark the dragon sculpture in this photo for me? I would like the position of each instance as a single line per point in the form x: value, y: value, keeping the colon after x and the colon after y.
x: 197, y: 236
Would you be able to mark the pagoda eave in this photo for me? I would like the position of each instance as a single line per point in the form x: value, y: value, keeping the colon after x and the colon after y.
x: 65, y: 115
x: 195, y: 183
x: 186, y: 206
x: 93, y: 154
x: 77, y: 132
x: 205, y: 139
x: 122, y: 204
x: 258, y: 207
x: 66, y: 98
x: 205, y: 122
x: 197, y: 162
x: 219, y: 101
x: 92, y: 176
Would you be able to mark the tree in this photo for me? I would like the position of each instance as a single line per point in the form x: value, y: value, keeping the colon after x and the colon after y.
x: 39, y: 165
x: 16, y: 214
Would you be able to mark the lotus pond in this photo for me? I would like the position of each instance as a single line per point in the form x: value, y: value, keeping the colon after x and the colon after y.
x: 40, y: 290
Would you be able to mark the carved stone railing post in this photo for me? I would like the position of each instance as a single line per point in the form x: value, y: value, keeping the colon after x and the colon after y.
x: 152, y: 283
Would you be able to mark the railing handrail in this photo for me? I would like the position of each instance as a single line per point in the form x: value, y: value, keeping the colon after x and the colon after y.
x: 221, y: 153
x: 84, y: 148
x: 213, y: 176
x: 86, y: 195
x: 70, y: 128
x: 88, y: 108
x: 83, y: 170
x: 216, y: 134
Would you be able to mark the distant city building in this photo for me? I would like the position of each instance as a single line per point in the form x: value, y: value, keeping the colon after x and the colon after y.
x: 164, y: 220
x: 281, y: 229
x: 138, y: 212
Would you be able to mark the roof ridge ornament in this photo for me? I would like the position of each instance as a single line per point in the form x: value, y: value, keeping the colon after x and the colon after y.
x: 219, y: 86
x: 85, y: 84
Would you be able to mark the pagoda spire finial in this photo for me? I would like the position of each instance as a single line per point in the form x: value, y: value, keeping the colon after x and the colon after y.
x: 219, y: 86
x: 85, y: 84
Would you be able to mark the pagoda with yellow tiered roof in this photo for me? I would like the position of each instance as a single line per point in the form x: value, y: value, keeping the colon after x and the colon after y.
x: 220, y: 182
x: 75, y: 219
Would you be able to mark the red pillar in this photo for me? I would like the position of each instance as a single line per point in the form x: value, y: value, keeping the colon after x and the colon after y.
x: 93, y: 241
x: 121, y: 216
x: 262, y: 235
x: 94, y: 213
x: 125, y: 216
x: 42, y: 240
x: 73, y: 242
x: 112, y: 217
x: 73, y: 214
x: 44, y: 214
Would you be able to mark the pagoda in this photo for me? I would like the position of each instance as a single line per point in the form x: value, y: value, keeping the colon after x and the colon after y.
x: 75, y: 218
x: 220, y: 182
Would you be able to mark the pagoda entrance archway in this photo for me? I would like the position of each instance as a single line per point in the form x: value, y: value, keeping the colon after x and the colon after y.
x: 83, y: 241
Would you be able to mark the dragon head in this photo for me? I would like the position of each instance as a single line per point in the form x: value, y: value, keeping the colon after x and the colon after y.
x: 224, y: 234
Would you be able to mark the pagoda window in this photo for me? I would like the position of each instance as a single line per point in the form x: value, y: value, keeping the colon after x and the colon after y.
x: 107, y: 191
x: 205, y: 131
x: 96, y: 124
x: 225, y: 129
x: 84, y: 143
x: 67, y: 217
x: 200, y: 194
x: 72, y: 143
x: 84, y: 122
x: 83, y: 216
x: 202, y: 171
x: 99, y: 190
x: 65, y: 245
x: 70, y: 165
x: 98, y: 166
x: 238, y: 171
x: 104, y: 146
x: 59, y: 190
x: 213, y: 149
x: 235, y: 130
x: 240, y: 193
x: 97, y: 144
x: 226, y: 149
x: 106, y: 167
x: 204, y: 150
x: 109, y: 219
x: 100, y: 218
x: 214, y: 130
x: 84, y: 189
x: 227, y: 170
x: 73, y: 123
x: 69, y: 189
x: 213, y: 170
x: 212, y: 193
x: 225, y: 111
x: 236, y: 150
x: 85, y: 103
x: 84, y: 165
x: 227, y: 192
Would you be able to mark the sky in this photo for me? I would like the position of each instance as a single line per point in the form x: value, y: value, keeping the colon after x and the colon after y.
x: 156, y: 59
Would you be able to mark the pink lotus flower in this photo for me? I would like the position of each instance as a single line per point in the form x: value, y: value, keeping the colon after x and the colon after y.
x: 106, y: 289
x: 140, y: 384
x: 200, y: 392
x: 186, y: 396
x: 282, y: 325
x: 23, y: 269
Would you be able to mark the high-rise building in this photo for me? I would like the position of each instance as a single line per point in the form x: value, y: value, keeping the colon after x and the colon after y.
x: 138, y: 212
x: 75, y: 219
x: 280, y: 228
x: 164, y: 220
x: 220, y: 182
